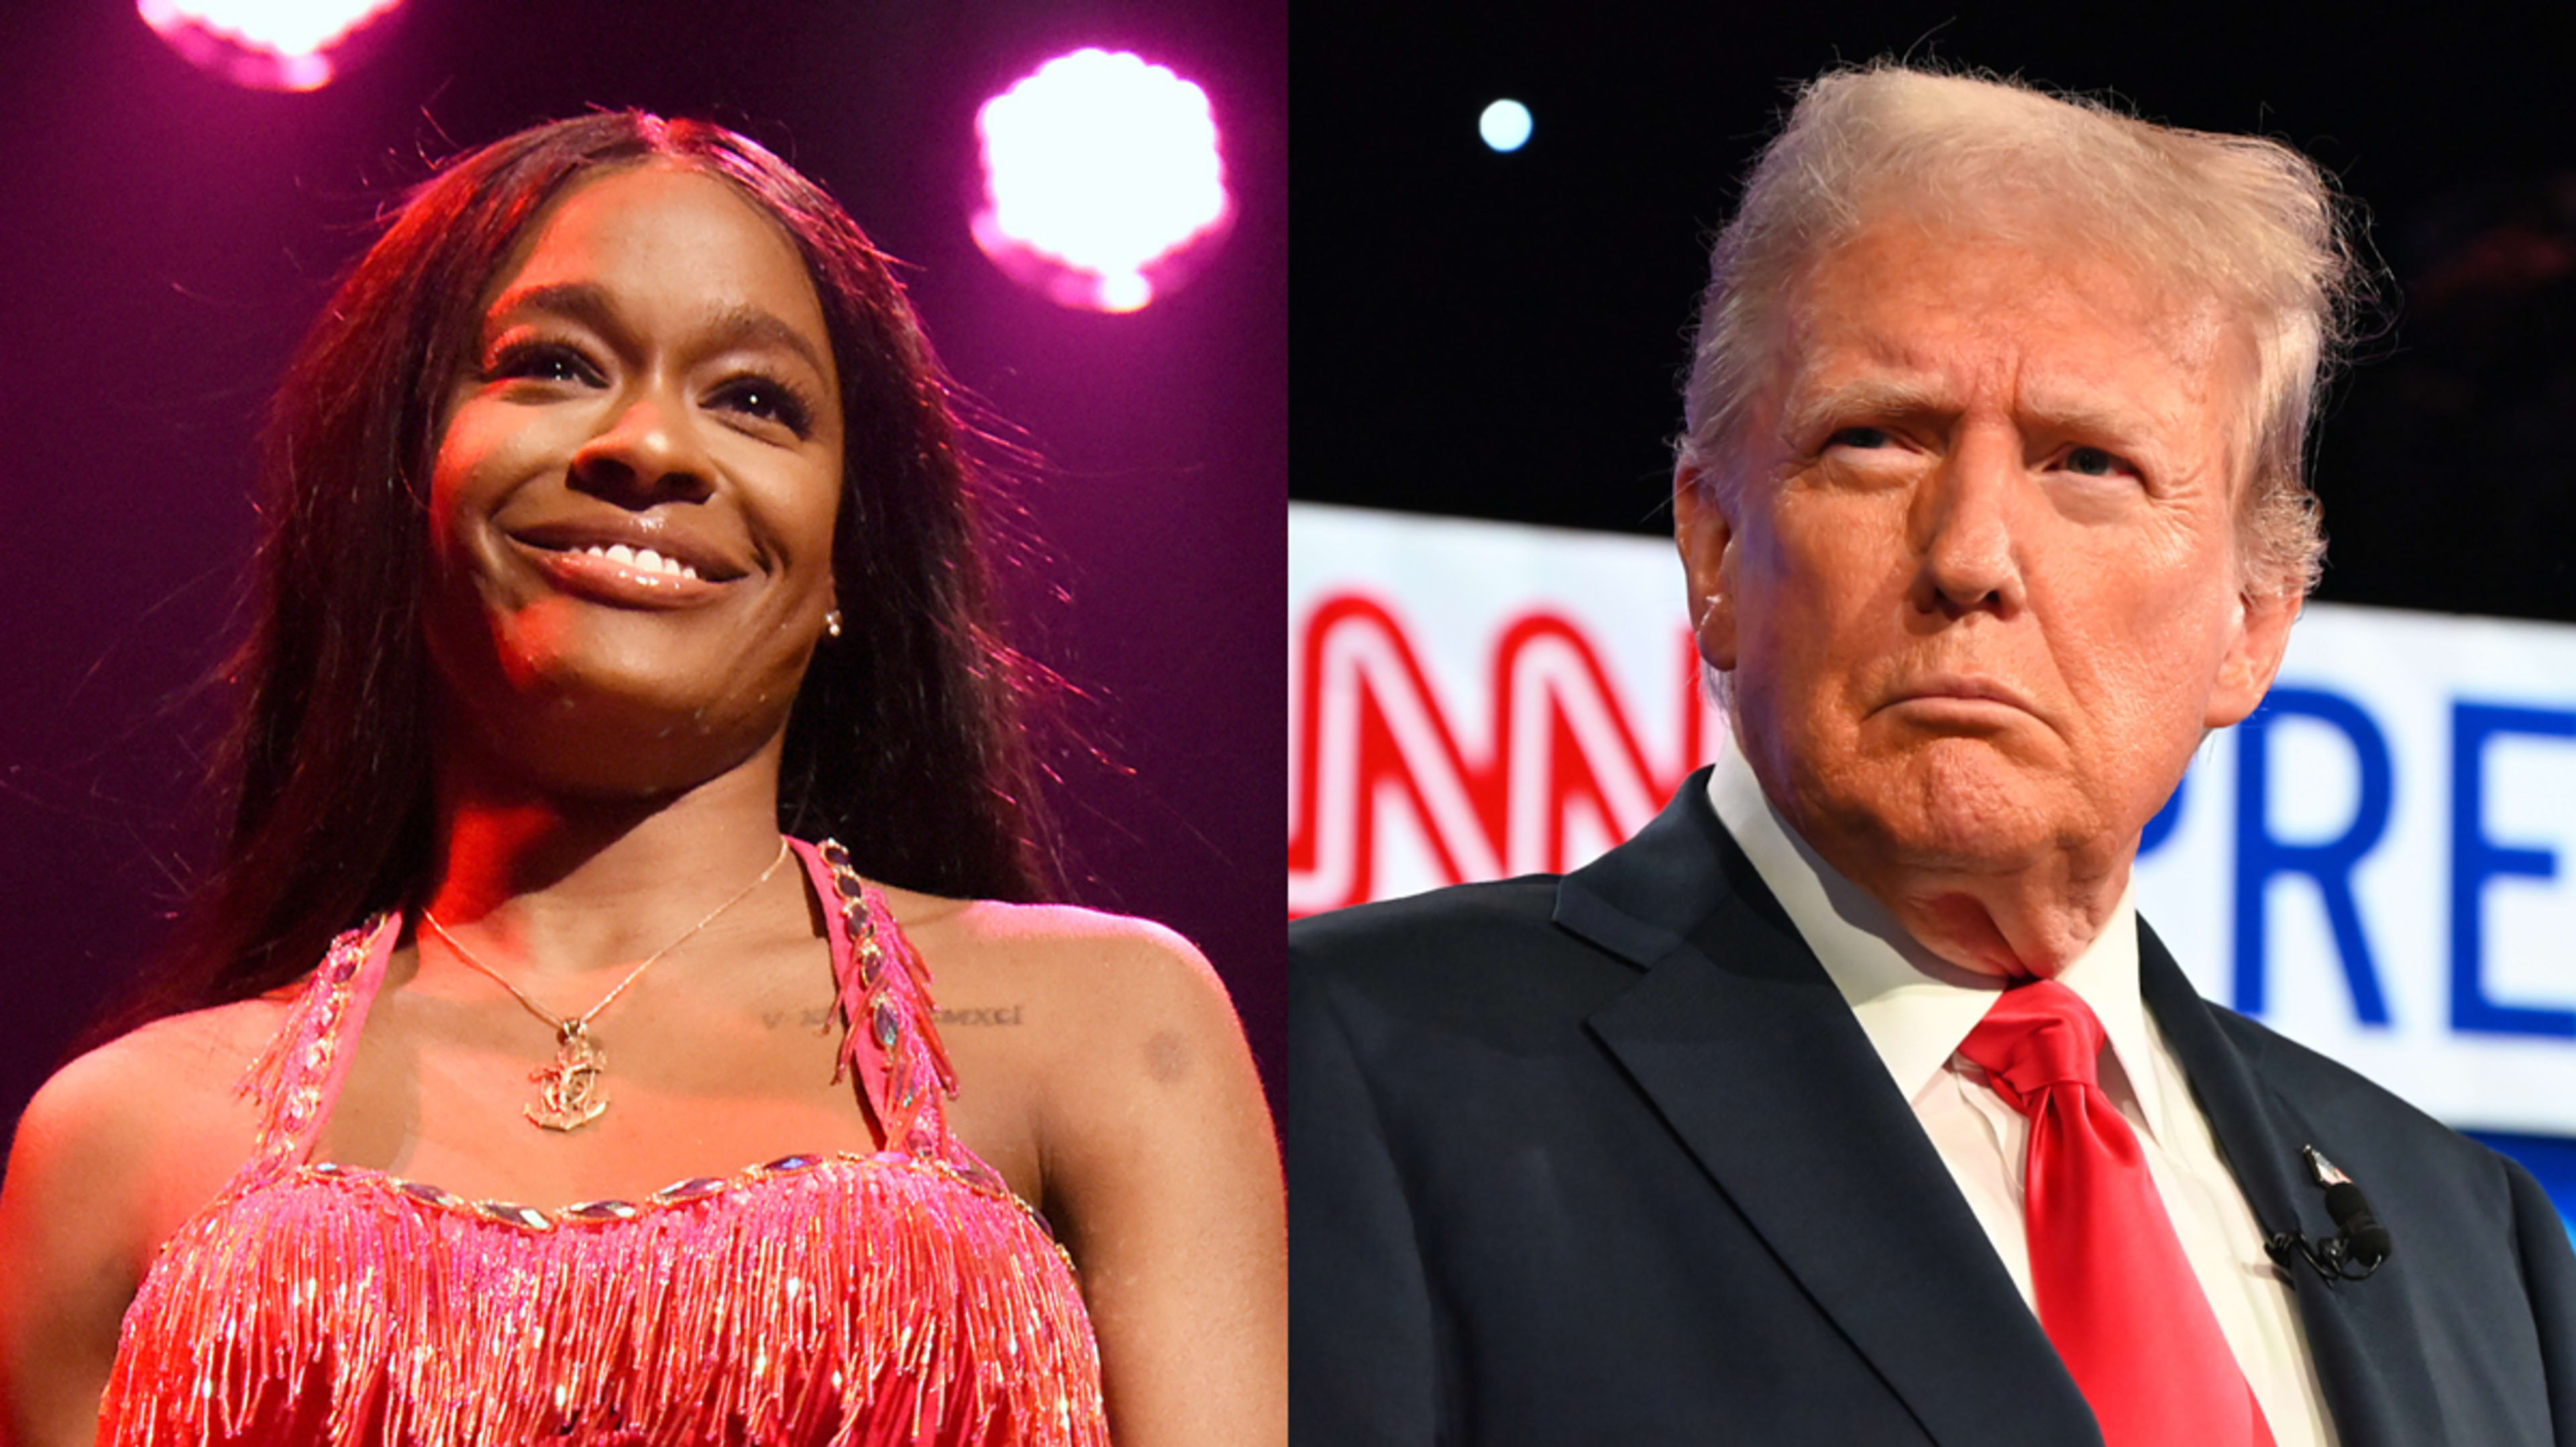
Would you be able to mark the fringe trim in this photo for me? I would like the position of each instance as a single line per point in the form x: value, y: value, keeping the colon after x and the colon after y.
x: 863, y: 1302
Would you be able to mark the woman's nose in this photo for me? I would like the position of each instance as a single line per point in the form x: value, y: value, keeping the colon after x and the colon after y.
x: 649, y: 451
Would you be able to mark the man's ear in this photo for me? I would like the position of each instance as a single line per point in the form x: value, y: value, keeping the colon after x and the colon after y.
x: 1707, y: 542
x: 2253, y: 654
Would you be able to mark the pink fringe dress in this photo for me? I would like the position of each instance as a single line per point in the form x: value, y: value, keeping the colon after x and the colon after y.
x: 901, y: 1297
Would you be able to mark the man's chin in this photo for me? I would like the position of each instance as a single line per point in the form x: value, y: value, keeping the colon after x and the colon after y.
x: 1964, y: 811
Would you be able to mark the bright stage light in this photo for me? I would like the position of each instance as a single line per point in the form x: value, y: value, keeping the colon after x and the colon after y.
x: 268, y: 44
x: 1505, y: 125
x: 1103, y: 187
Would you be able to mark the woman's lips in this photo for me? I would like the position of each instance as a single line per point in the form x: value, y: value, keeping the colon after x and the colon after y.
x: 622, y: 577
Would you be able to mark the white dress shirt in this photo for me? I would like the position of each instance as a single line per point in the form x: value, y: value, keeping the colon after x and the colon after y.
x: 1916, y: 1009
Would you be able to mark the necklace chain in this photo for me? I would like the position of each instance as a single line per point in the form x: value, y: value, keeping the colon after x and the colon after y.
x: 568, y: 1027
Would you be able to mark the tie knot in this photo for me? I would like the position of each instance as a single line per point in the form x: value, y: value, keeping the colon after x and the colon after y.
x: 2035, y: 1036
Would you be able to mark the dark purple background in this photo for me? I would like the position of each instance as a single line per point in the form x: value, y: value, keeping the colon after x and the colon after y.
x: 166, y: 236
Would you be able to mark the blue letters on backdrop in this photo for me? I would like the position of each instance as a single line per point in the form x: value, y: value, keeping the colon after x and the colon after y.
x: 2260, y: 856
x: 2475, y: 859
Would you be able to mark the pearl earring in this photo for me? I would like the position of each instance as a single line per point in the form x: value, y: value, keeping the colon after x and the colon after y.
x: 832, y: 623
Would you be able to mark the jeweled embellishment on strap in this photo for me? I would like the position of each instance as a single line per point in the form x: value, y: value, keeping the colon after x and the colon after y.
x: 289, y: 1077
x: 890, y: 1007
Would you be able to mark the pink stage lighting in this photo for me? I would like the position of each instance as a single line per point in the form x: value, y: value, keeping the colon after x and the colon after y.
x: 1102, y: 184
x: 268, y: 44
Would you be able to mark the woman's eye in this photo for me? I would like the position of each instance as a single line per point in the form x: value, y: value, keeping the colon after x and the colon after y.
x: 543, y: 362
x: 768, y: 401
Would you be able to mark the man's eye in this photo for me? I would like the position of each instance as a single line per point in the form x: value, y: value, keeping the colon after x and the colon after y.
x: 2092, y: 462
x: 1865, y: 437
x: 769, y: 401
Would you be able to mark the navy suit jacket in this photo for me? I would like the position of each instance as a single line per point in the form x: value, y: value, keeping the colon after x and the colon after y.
x: 1607, y: 1159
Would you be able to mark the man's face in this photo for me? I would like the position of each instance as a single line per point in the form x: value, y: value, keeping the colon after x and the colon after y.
x: 1974, y: 571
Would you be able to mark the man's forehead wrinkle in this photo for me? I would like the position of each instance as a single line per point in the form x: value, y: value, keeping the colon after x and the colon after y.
x: 2029, y: 395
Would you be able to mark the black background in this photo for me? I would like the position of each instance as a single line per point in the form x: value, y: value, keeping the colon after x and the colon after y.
x: 1499, y: 335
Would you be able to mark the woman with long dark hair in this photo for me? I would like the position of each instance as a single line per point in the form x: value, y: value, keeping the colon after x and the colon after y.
x: 624, y: 760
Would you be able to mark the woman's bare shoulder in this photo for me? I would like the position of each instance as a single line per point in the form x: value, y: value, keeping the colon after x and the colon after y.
x: 193, y: 1057
x: 158, y: 1085
x: 1097, y: 961
x: 111, y: 1155
x: 152, y: 1112
x: 1114, y: 1007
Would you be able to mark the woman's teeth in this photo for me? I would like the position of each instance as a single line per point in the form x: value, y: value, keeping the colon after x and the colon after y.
x: 641, y: 559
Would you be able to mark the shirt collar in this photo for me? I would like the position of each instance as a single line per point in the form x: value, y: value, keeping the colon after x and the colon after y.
x: 1914, y: 1006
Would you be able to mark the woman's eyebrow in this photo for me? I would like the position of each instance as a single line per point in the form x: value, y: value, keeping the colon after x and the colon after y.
x: 578, y: 301
x: 740, y: 324
x: 745, y: 325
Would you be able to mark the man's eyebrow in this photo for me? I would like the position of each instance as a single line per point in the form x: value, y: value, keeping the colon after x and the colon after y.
x: 1868, y: 397
x: 587, y: 303
x: 2099, y: 416
x: 1901, y: 397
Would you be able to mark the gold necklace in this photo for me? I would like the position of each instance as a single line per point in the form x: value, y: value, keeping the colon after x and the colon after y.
x: 569, y: 1097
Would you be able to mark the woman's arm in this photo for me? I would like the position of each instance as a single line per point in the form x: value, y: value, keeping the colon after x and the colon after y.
x: 1160, y: 1162
x: 69, y: 1212
x: 119, y: 1147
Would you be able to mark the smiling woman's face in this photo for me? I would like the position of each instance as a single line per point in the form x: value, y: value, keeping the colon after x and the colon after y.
x: 635, y: 489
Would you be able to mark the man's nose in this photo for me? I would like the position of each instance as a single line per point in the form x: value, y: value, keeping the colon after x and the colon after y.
x: 649, y: 450
x: 1963, y: 528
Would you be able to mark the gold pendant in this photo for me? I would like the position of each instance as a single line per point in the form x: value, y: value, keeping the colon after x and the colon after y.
x: 570, y: 1098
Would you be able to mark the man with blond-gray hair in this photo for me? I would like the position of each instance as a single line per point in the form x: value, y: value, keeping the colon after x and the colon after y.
x: 1850, y: 1101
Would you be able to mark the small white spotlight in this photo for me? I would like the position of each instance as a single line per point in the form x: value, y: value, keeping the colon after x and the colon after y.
x: 265, y: 44
x: 1505, y: 125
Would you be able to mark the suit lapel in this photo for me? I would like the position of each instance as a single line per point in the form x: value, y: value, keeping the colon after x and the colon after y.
x: 2377, y: 1383
x: 1742, y: 1044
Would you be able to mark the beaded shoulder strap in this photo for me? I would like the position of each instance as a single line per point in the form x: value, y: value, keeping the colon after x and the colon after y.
x: 889, y: 1042
x: 298, y: 1076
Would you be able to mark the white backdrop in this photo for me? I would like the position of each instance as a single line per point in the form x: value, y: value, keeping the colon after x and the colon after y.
x: 2388, y: 881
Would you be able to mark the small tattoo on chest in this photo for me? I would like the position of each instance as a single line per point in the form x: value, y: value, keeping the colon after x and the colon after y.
x: 823, y: 1019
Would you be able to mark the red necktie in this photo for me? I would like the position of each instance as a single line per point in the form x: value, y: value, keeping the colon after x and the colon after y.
x: 2116, y: 1295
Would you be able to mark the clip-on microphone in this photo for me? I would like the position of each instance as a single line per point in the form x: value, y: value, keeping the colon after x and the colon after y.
x: 2359, y: 1244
